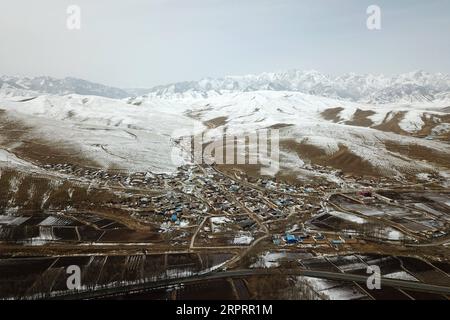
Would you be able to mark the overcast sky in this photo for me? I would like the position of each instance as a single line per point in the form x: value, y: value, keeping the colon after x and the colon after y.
x: 141, y: 43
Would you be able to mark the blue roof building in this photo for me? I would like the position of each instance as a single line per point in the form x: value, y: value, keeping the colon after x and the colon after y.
x: 290, y: 238
x: 319, y: 236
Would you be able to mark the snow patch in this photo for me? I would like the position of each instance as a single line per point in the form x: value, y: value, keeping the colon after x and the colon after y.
x: 348, y: 217
x: 269, y: 260
x: 412, y: 121
x: 243, y: 239
x: 400, y: 275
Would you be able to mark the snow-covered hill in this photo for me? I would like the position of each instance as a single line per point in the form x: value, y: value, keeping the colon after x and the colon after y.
x: 385, y: 139
x: 138, y: 134
x: 104, y: 132
x: 416, y: 86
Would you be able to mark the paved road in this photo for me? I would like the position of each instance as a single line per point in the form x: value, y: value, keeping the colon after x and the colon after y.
x: 402, y: 284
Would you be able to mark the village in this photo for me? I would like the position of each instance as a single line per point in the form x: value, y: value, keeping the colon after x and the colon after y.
x: 202, y: 206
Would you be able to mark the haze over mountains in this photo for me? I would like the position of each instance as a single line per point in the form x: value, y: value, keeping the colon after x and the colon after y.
x: 418, y: 86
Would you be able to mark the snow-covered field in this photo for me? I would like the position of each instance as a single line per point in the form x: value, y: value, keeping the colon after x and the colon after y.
x: 331, y: 290
x: 269, y: 260
x: 348, y: 217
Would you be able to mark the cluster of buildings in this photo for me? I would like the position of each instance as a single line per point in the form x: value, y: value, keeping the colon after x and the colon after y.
x: 121, y: 177
x: 173, y: 208
x: 313, y: 238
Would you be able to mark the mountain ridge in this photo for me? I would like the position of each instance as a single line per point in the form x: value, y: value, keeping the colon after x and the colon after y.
x: 28, y: 86
x: 367, y: 88
x: 416, y: 86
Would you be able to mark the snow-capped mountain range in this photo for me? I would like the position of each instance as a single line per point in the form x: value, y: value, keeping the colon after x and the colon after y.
x: 374, y: 89
x: 23, y: 86
x: 418, y: 86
